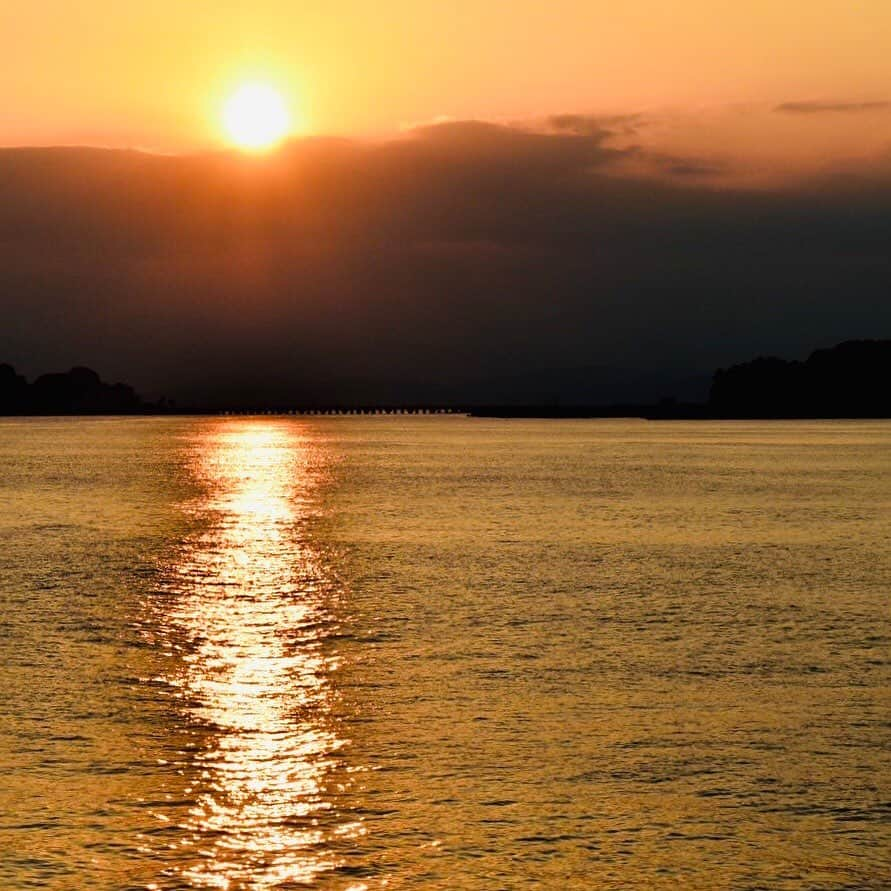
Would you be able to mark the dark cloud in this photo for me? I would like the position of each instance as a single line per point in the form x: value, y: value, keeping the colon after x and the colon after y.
x: 423, y: 267
x: 830, y: 107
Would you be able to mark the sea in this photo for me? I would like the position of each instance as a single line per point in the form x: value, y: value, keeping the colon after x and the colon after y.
x: 442, y: 652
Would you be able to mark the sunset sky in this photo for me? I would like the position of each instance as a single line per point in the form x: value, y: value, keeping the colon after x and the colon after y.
x: 102, y: 72
x: 497, y: 185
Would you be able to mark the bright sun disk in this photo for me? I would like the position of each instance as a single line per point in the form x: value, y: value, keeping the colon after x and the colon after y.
x: 255, y: 117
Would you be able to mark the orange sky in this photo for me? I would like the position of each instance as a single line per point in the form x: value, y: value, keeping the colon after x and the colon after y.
x: 106, y: 72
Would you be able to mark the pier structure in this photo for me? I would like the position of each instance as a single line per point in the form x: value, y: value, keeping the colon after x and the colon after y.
x: 340, y: 410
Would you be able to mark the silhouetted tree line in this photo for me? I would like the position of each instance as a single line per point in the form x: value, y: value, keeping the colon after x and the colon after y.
x: 849, y: 380
x: 76, y: 392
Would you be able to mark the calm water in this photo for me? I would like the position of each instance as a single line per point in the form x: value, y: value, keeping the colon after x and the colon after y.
x: 370, y: 653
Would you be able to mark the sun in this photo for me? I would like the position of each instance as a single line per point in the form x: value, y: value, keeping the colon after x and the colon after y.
x: 256, y: 117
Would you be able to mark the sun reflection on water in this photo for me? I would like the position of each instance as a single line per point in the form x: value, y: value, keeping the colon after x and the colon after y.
x: 251, y: 612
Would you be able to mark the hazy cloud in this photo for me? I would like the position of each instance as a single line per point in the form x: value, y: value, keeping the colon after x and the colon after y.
x: 592, y: 125
x: 830, y: 107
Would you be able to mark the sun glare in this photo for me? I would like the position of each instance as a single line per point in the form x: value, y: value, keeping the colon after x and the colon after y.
x: 255, y: 117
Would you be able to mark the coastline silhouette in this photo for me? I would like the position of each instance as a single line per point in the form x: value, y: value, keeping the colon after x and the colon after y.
x: 847, y: 380
x: 844, y: 381
x: 79, y: 391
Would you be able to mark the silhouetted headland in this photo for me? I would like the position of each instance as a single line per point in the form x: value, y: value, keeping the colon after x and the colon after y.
x: 845, y: 381
x: 79, y: 391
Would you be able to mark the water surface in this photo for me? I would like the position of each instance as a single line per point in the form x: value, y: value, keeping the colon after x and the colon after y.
x: 364, y: 653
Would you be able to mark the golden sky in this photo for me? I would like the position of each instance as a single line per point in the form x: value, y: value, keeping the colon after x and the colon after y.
x: 153, y: 75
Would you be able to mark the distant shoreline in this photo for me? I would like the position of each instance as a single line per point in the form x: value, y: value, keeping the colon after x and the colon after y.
x: 506, y: 413
x: 846, y: 381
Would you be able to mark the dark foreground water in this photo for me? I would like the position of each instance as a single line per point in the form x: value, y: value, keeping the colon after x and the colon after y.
x: 369, y: 653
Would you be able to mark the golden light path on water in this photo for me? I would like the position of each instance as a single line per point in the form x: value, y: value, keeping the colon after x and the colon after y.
x: 251, y: 607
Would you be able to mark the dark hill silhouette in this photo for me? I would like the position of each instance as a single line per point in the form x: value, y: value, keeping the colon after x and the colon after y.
x: 79, y: 391
x: 847, y: 381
